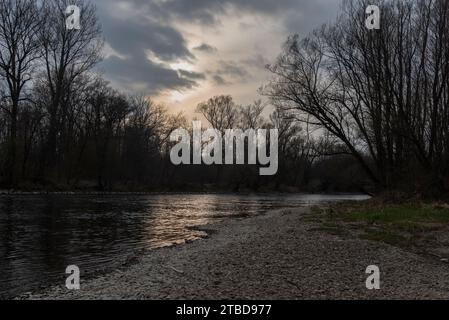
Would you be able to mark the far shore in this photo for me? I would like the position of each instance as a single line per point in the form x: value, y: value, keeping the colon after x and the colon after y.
x: 244, y: 192
x: 278, y: 255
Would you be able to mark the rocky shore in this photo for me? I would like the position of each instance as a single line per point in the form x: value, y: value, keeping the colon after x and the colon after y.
x: 278, y: 255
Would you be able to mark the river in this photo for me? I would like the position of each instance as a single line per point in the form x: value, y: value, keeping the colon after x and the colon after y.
x: 41, y: 235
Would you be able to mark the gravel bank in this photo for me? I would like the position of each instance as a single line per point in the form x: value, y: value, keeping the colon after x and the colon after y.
x: 274, y: 256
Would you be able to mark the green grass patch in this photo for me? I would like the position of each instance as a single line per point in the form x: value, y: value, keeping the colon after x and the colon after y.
x: 401, y: 215
x: 400, y: 225
x: 387, y: 236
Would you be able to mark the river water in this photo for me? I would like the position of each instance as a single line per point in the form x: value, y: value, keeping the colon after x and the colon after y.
x: 41, y: 235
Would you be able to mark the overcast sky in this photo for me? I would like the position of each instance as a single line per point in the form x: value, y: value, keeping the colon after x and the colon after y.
x: 182, y: 52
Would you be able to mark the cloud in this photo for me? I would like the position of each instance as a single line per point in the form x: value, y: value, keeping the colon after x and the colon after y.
x: 258, y: 61
x: 129, y: 38
x: 218, y: 80
x: 206, y: 48
x: 192, y: 75
x: 148, y: 41
x: 210, y: 12
x: 139, y: 74
x: 233, y: 70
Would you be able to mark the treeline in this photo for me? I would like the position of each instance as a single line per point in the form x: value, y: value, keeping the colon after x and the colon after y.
x: 382, y: 96
x: 62, y: 127
x: 306, y: 161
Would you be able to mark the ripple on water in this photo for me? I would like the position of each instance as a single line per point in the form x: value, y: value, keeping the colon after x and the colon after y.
x: 42, y: 235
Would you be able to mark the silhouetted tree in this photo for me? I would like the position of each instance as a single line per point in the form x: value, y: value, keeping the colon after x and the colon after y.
x: 68, y: 55
x: 382, y: 93
x: 20, y: 23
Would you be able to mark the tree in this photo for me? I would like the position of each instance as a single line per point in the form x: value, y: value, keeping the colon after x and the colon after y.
x: 295, y: 148
x: 68, y: 55
x: 220, y: 111
x: 20, y: 23
x: 251, y: 115
x: 382, y: 93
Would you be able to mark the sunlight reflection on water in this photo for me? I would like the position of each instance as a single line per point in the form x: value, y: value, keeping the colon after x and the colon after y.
x: 41, y: 235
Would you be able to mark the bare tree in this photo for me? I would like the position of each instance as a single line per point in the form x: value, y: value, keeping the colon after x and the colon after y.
x: 220, y: 111
x: 107, y: 114
x: 251, y: 115
x: 20, y: 23
x: 68, y: 55
x: 382, y: 93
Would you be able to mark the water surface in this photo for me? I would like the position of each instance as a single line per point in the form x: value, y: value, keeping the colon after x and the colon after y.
x: 41, y: 235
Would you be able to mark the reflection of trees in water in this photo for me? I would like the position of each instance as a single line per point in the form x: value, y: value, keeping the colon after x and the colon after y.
x: 41, y: 236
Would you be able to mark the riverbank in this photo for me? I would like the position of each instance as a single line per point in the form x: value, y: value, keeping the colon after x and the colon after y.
x: 279, y: 255
x: 420, y: 227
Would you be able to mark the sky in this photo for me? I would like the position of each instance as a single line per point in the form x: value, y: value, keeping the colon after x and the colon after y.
x: 182, y: 52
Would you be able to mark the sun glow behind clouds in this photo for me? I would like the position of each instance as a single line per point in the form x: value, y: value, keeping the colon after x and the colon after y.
x: 182, y: 65
x: 240, y: 43
x: 172, y: 96
x: 176, y: 96
x: 183, y: 52
x: 176, y: 65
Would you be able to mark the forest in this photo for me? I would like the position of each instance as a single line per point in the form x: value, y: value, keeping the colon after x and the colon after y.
x: 357, y: 110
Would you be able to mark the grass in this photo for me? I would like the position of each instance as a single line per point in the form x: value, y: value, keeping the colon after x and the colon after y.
x: 403, y: 225
x: 386, y: 236
x: 401, y: 215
